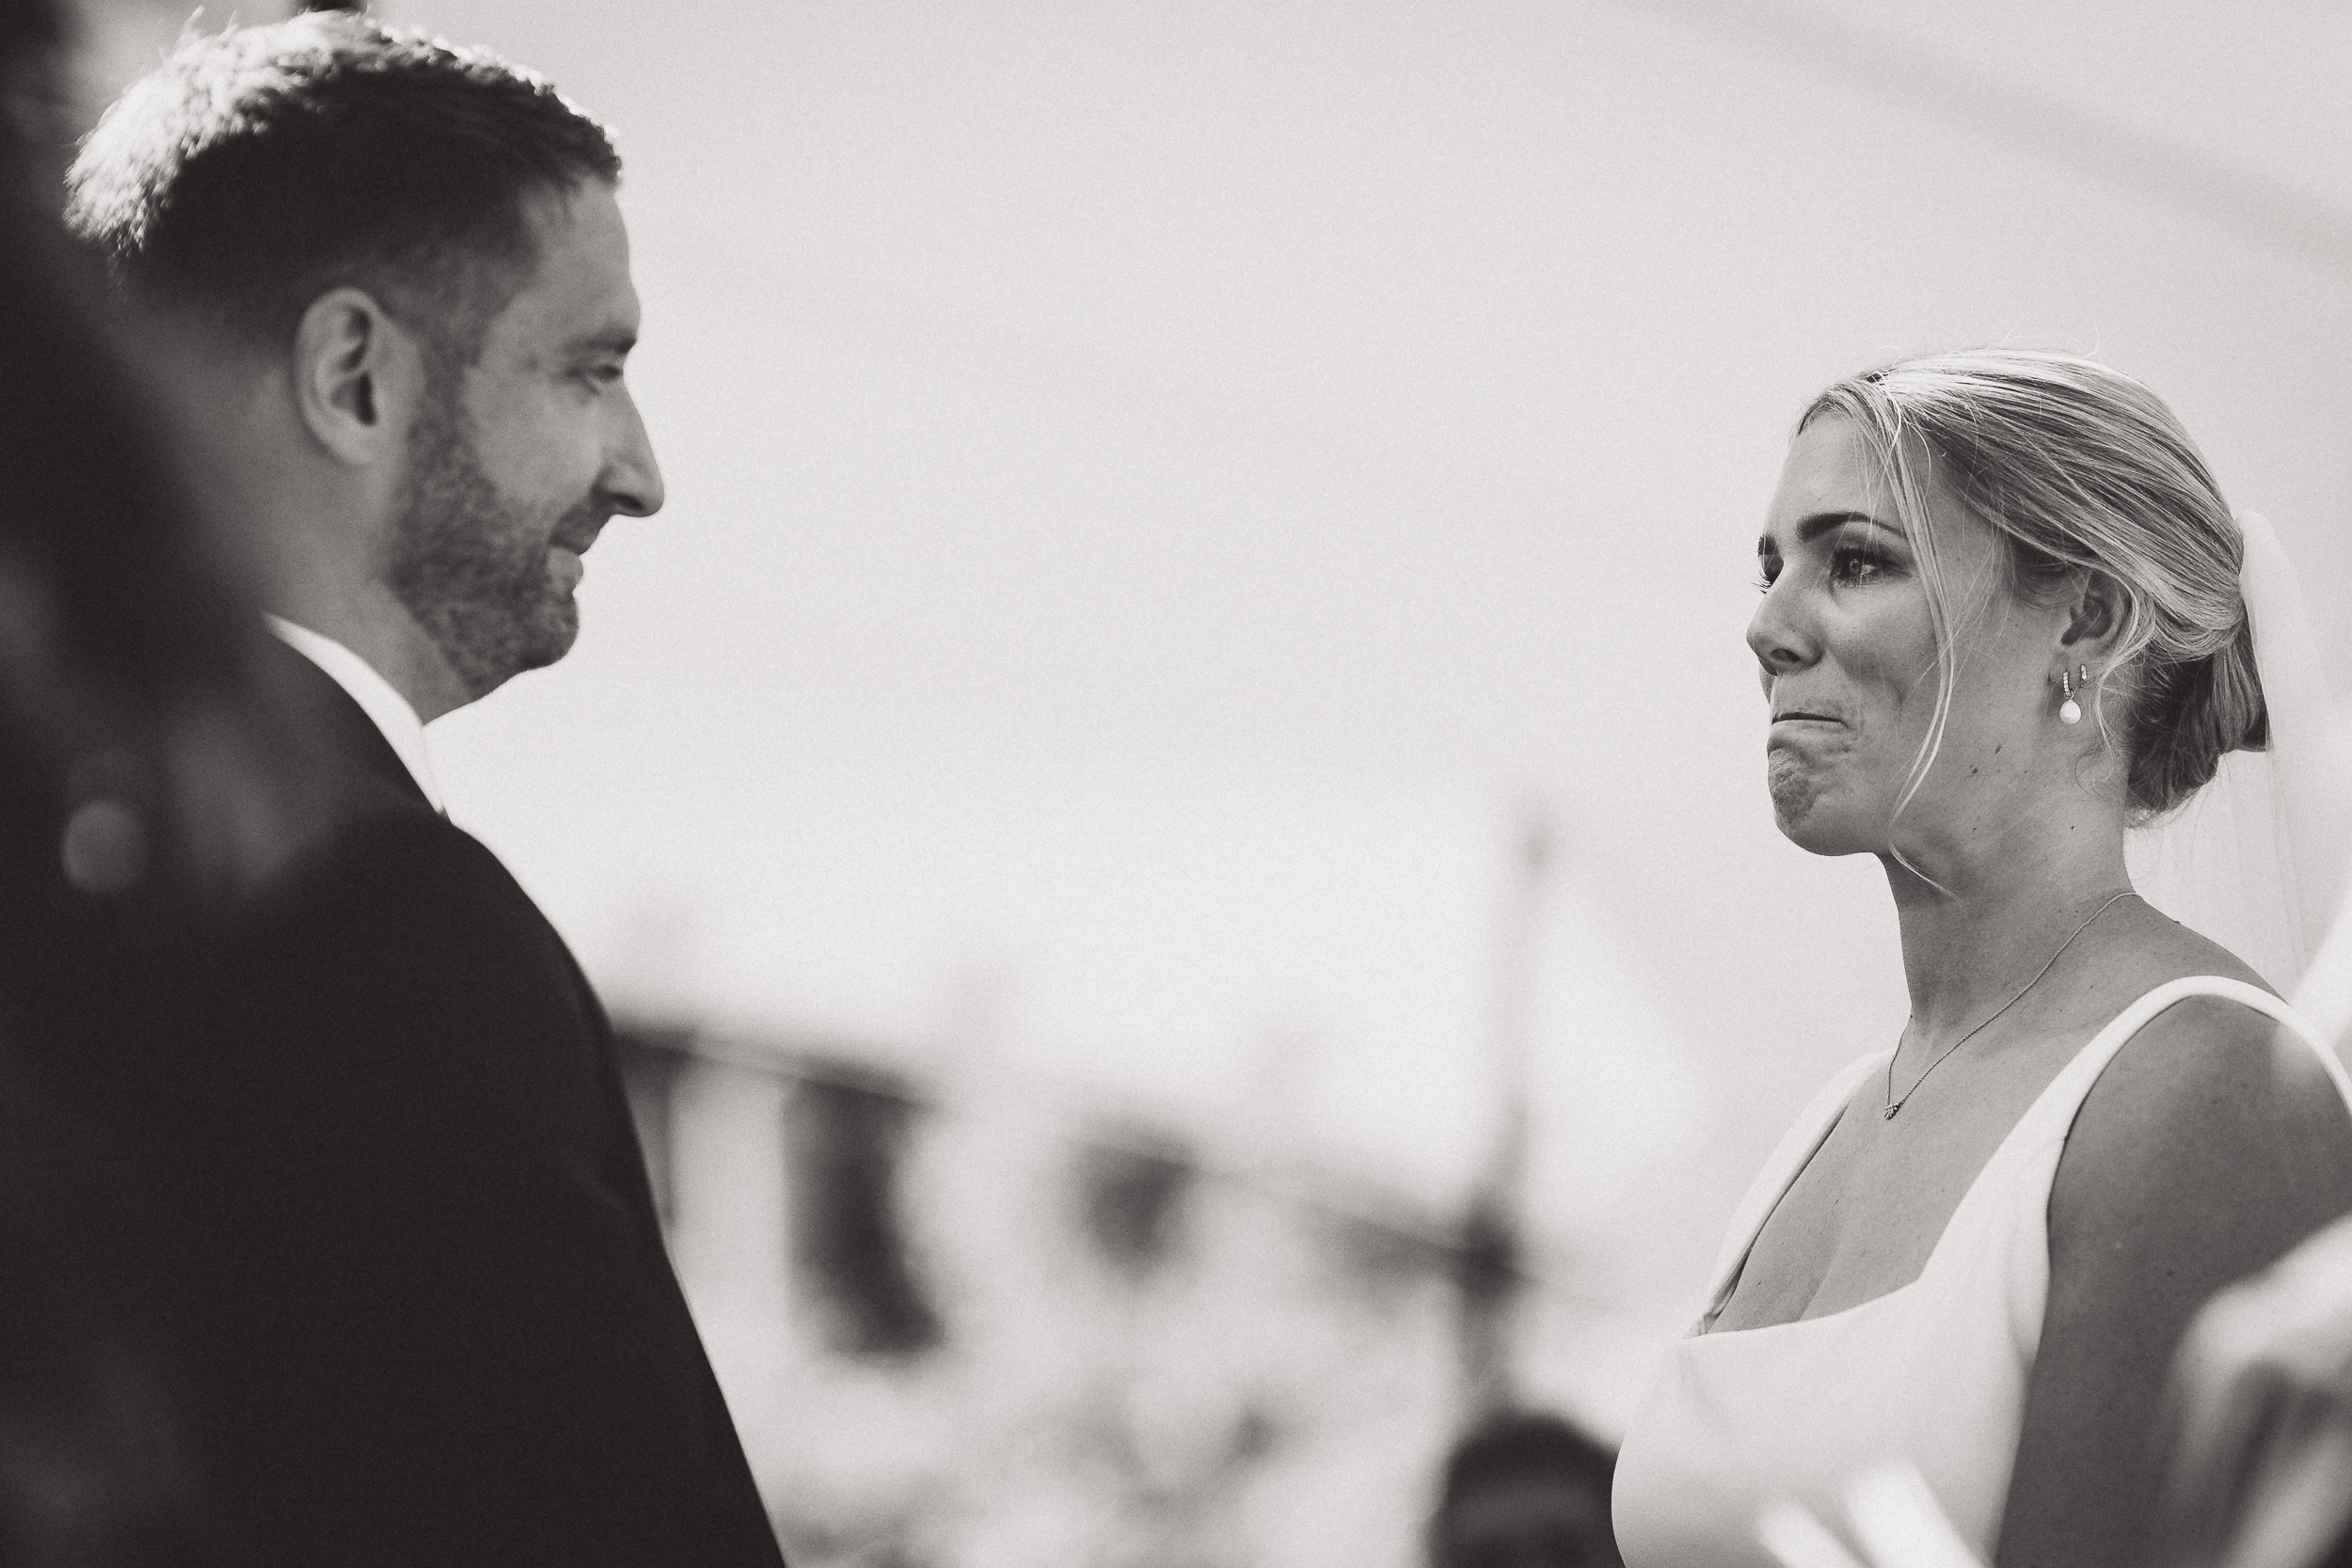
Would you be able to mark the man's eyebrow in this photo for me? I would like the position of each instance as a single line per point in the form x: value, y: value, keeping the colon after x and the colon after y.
x: 618, y: 341
x: 1814, y: 525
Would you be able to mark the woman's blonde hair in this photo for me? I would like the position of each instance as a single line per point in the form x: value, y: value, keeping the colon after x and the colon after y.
x: 2078, y: 469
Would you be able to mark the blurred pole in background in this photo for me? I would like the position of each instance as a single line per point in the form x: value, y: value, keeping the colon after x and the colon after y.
x: 1493, y: 1244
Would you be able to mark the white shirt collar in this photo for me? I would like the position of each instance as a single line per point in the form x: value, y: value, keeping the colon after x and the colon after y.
x: 376, y: 697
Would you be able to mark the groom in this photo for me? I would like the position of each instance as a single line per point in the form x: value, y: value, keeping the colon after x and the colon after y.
x: 428, y: 1315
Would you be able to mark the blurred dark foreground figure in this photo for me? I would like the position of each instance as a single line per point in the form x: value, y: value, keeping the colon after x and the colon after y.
x: 2262, y: 1472
x: 1525, y: 1490
x: 424, y: 1310
x: 138, y: 798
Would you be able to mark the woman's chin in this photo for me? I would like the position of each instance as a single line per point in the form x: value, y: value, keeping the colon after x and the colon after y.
x: 1814, y: 822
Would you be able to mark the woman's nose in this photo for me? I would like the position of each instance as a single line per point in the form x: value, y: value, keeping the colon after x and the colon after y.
x: 1777, y: 636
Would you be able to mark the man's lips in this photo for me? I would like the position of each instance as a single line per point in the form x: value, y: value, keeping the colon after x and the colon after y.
x: 579, y: 529
x: 1804, y: 716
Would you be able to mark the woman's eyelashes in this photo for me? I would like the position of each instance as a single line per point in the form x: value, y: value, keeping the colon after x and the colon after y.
x: 1854, y: 563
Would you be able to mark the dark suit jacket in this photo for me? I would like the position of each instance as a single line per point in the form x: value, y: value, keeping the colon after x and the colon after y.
x: 431, y: 1318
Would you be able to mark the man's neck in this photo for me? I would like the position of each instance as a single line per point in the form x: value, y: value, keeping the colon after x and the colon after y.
x: 379, y: 629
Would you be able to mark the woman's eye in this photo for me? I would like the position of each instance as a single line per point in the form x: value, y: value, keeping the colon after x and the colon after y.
x: 1853, y: 564
x: 1766, y: 572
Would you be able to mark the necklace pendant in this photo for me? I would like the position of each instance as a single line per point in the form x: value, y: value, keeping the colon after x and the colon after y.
x: 1892, y: 1109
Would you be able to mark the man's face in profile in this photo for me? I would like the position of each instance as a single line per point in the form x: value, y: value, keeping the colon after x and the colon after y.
x: 517, y: 461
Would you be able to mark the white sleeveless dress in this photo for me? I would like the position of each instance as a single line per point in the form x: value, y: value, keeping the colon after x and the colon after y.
x: 1934, y: 1373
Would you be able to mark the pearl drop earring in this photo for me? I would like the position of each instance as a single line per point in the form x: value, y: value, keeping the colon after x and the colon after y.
x: 2070, y: 711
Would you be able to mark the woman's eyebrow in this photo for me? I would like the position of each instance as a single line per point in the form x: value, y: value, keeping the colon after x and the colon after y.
x: 1816, y: 525
x: 1812, y: 527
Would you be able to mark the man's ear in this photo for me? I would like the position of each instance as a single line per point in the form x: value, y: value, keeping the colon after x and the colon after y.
x: 2095, y: 616
x: 355, y: 375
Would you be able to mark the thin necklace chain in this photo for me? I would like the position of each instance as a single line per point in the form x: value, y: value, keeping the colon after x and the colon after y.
x: 1894, y: 1105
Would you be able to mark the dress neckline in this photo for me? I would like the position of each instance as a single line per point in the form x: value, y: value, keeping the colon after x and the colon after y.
x: 2127, y: 1022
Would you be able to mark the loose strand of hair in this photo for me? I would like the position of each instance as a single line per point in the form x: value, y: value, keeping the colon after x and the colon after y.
x: 1902, y: 478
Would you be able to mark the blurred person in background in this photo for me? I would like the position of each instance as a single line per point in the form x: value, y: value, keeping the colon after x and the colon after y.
x: 434, y: 1319
x: 1525, y: 1490
x: 2002, y: 620
x: 2261, y: 1472
x: 2260, y: 1419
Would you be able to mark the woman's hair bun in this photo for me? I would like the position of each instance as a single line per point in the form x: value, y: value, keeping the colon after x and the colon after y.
x: 2185, y: 717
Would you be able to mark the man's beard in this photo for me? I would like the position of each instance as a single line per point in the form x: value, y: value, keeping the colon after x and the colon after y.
x: 471, y: 565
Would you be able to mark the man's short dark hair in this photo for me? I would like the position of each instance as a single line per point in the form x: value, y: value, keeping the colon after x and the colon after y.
x: 260, y: 167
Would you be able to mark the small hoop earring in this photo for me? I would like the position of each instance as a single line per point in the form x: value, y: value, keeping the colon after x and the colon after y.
x: 2070, y: 711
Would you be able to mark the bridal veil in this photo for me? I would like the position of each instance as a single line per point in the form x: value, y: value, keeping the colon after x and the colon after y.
x: 2258, y: 859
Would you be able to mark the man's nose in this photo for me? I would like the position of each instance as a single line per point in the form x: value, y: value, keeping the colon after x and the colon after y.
x: 632, y: 475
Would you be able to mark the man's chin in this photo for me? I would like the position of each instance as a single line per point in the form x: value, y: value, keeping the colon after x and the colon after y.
x: 486, y: 649
x: 551, y: 636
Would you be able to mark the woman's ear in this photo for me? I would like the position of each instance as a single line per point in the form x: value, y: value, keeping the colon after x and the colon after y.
x: 2095, y: 616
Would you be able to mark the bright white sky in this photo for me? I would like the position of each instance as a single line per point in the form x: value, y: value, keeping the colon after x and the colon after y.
x: 1154, y: 488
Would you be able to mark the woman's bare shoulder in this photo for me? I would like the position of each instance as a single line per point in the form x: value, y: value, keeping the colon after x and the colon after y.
x: 2206, y: 1069
x: 2148, y: 947
x: 2211, y: 1145
x: 2209, y: 1069
x: 2210, y: 1113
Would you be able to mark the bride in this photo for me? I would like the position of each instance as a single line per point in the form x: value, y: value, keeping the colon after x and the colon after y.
x: 2001, y: 623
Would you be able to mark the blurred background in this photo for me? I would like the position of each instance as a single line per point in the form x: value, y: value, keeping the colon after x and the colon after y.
x: 1173, y: 807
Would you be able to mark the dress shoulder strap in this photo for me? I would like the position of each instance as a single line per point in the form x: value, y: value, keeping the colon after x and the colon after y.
x: 2067, y: 1092
x: 1788, y: 1159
